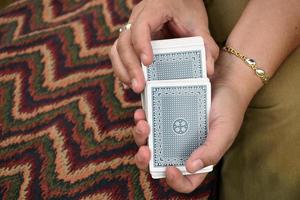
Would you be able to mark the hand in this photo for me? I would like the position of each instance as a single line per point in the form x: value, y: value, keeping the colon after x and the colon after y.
x: 229, y: 104
x: 158, y: 19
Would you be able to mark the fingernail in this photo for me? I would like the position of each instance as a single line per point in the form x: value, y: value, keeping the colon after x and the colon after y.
x: 133, y: 84
x: 197, y: 165
x: 144, y: 58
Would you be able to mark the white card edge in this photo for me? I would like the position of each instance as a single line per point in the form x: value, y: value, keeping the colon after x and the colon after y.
x: 159, y: 175
x: 177, y: 42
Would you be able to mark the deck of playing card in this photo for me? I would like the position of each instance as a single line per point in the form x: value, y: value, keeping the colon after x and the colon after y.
x: 176, y: 100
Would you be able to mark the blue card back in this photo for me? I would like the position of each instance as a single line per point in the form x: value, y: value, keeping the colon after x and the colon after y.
x: 175, y: 65
x: 179, y: 122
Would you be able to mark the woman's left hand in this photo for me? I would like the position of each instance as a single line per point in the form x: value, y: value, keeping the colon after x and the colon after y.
x: 229, y: 104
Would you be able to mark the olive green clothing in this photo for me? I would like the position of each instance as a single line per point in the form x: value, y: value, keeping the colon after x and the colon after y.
x: 264, y: 161
x: 4, y: 3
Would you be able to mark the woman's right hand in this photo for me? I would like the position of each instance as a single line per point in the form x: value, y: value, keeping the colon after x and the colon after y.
x: 157, y: 19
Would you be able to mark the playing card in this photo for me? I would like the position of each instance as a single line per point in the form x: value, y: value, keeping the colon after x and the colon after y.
x: 182, y: 58
x: 176, y: 101
x: 178, y: 120
x: 156, y: 175
x: 144, y: 100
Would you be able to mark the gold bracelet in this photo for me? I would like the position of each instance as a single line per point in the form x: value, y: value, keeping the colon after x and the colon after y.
x: 250, y: 62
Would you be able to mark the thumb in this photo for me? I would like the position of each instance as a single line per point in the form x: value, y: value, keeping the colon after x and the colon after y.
x: 207, y: 154
x: 216, y: 144
x: 212, y: 53
x: 211, y: 49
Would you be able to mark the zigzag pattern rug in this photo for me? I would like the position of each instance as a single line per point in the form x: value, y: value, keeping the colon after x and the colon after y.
x: 65, y: 121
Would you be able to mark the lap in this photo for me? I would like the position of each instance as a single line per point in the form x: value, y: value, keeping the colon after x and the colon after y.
x: 263, y: 163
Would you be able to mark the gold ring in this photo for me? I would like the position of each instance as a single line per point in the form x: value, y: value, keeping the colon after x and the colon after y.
x: 125, y: 27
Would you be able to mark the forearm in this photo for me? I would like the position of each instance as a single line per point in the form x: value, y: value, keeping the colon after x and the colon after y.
x: 268, y: 31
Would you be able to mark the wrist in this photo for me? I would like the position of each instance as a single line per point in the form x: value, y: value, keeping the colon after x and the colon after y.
x: 232, y: 72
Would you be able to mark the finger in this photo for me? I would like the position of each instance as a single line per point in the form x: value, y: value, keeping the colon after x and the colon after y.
x: 141, y: 132
x: 212, y: 53
x: 130, y: 61
x: 210, y: 63
x: 142, y: 157
x: 136, y: 11
x: 148, y: 22
x: 216, y: 144
x: 183, y: 184
x: 118, y: 66
x: 139, y: 114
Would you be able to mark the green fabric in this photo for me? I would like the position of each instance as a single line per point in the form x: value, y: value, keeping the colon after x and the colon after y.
x: 223, y: 14
x: 4, y: 3
x: 263, y: 163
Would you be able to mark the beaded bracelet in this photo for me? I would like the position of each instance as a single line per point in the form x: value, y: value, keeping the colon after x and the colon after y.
x: 250, y: 62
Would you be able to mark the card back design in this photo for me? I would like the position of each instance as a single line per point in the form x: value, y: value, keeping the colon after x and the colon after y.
x: 175, y: 65
x: 179, y: 122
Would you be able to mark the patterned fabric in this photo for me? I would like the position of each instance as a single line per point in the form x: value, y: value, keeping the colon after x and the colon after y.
x: 65, y: 121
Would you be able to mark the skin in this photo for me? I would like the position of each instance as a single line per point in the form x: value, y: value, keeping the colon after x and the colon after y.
x: 267, y: 31
x: 158, y: 19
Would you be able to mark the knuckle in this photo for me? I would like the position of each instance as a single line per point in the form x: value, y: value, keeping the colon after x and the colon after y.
x: 112, y: 50
x: 187, y: 190
x: 218, y: 153
x: 140, y: 123
x: 211, y: 160
x: 119, y: 45
x: 215, y: 157
x: 137, y: 44
x: 128, y: 61
x: 133, y: 71
x: 122, y: 45
x: 180, y: 187
x: 136, y: 9
x: 139, y: 140
x: 138, y: 143
x: 139, y: 135
x: 129, y: 65
x: 135, y: 117
x: 136, y: 132
x: 111, y: 53
x: 114, y: 46
x: 213, y: 154
x: 137, y: 161
x: 215, y: 50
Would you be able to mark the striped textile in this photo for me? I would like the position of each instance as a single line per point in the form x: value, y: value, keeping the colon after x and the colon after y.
x: 65, y: 121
